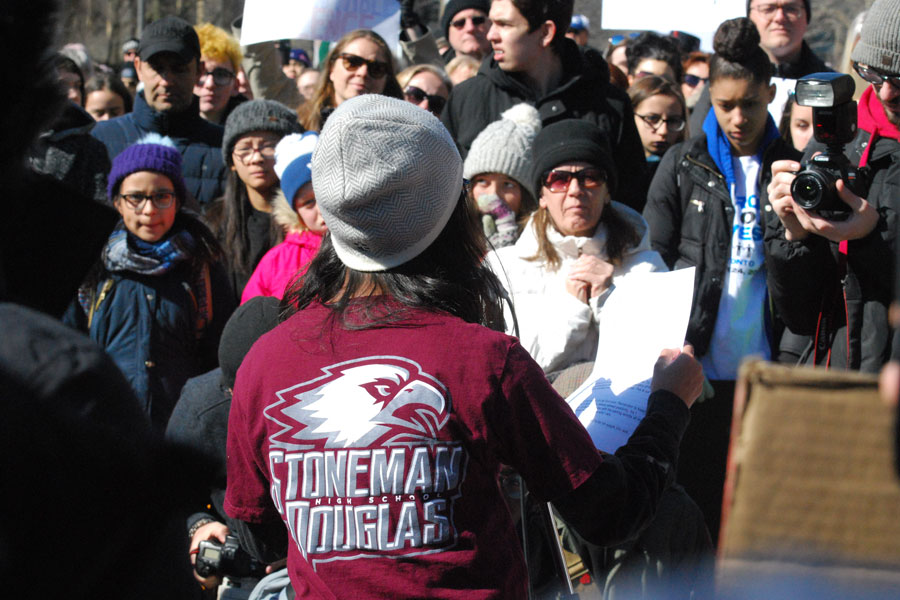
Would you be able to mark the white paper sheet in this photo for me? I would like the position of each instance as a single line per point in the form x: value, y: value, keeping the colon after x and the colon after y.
x: 328, y: 20
x: 645, y: 313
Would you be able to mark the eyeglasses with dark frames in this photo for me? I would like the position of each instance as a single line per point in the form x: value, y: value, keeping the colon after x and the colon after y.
x: 220, y: 76
x: 588, y: 178
x: 161, y: 200
x: 655, y: 121
x: 877, y: 77
x: 791, y: 11
x: 477, y: 21
x: 417, y: 95
x: 376, y: 68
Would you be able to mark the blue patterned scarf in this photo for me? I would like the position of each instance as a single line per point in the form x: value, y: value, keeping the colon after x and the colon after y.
x: 126, y: 252
x: 720, y: 148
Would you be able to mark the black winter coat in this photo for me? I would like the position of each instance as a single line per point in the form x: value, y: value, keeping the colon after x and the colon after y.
x: 691, y: 215
x: 199, y: 141
x: 585, y: 93
x: 804, y: 280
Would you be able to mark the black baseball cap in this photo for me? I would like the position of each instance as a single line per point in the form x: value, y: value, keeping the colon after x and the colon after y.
x: 170, y: 34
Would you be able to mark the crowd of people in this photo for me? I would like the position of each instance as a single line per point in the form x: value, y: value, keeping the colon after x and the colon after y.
x: 330, y: 312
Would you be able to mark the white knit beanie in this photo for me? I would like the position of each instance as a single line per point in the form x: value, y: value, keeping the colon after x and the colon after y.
x: 504, y: 146
x: 387, y: 177
x: 293, y: 155
x: 879, y: 40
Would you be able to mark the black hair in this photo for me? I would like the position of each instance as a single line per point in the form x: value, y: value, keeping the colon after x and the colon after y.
x: 111, y: 82
x: 652, y: 46
x: 537, y: 12
x: 228, y: 217
x: 737, y: 53
x: 449, y: 276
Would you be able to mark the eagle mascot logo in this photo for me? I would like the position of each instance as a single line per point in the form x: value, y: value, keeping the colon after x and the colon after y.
x: 364, y: 403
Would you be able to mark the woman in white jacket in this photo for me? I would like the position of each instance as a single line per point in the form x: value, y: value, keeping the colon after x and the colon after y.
x: 573, y: 249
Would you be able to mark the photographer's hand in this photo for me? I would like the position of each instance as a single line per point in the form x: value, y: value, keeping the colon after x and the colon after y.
x: 213, y: 530
x: 862, y: 220
x: 779, y: 191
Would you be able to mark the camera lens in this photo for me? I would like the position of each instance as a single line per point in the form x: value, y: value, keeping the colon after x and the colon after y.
x: 808, y: 188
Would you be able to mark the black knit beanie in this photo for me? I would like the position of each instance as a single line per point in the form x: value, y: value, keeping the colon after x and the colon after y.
x: 455, y: 6
x: 247, y: 324
x: 572, y: 140
x: 806, y: 5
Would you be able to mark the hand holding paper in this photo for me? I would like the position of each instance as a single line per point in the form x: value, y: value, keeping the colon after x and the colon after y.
x: 644, y: 313
x: 677, y: 371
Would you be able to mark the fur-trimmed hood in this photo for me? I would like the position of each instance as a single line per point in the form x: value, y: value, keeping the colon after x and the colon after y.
x: 285, y: 215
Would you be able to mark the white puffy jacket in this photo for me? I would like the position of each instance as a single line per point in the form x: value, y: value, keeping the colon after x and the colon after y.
x: 558, y: 329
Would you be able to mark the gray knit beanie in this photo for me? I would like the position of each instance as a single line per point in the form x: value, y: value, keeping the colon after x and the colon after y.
x: 504, y: 146
x: 257, y: 115
x: 879, y: 40
x: 387, y: 177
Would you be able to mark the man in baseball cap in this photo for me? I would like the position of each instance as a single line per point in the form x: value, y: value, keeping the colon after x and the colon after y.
x: 168, y: 66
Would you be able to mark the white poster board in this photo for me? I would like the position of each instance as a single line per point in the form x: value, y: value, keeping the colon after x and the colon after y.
x: 268, y: 20
x: 697, y: 17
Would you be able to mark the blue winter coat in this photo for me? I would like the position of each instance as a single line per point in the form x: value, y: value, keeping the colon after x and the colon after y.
x: 198, y: 140
x: 148, y: 325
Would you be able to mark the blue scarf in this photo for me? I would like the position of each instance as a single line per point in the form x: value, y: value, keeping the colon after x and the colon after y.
x: 126, y: 252
x: 720, y: 148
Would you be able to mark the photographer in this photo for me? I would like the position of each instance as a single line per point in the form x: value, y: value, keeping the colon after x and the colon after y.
x: 830, y: 275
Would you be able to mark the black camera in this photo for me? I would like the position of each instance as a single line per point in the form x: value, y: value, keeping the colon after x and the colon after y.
x: 834, y: 124
x: 228, y: 559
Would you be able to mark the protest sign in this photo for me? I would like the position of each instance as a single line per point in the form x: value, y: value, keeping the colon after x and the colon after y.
x: 697, y: 17
x: 267, y: 20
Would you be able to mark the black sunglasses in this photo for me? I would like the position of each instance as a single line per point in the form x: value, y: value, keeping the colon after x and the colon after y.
x: 417, y: 95
x: 876, y: 76
x: 375, y: 68
x: 476, y: 21
x: 694, y: 80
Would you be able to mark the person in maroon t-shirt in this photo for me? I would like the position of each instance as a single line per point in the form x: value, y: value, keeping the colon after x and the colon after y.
x: 374, y: 419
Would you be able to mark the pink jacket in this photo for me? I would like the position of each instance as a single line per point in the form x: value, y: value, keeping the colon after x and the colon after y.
x: 281, y: 265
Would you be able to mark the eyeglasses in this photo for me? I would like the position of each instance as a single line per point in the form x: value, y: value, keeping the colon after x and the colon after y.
x: 654, y: 121
x: 220, y: 76
x: 476, y: 21
x: 876, y: 76
x: 244, y: 153
x: 375, y: 68
x: 416, y: 96
x: 791, y: 11
x: 160, y: 200
x: 558, y: 181
x: 694, y: 80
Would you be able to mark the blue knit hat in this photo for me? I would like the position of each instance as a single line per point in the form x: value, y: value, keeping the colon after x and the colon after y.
x: 151, y: 153
x: 293, y: 156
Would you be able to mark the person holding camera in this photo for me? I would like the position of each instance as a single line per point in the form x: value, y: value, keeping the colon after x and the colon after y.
x: 831, y: 266
x: 705, y: 209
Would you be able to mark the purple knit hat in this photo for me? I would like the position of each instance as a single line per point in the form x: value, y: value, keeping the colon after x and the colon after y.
x: 151, y: 153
